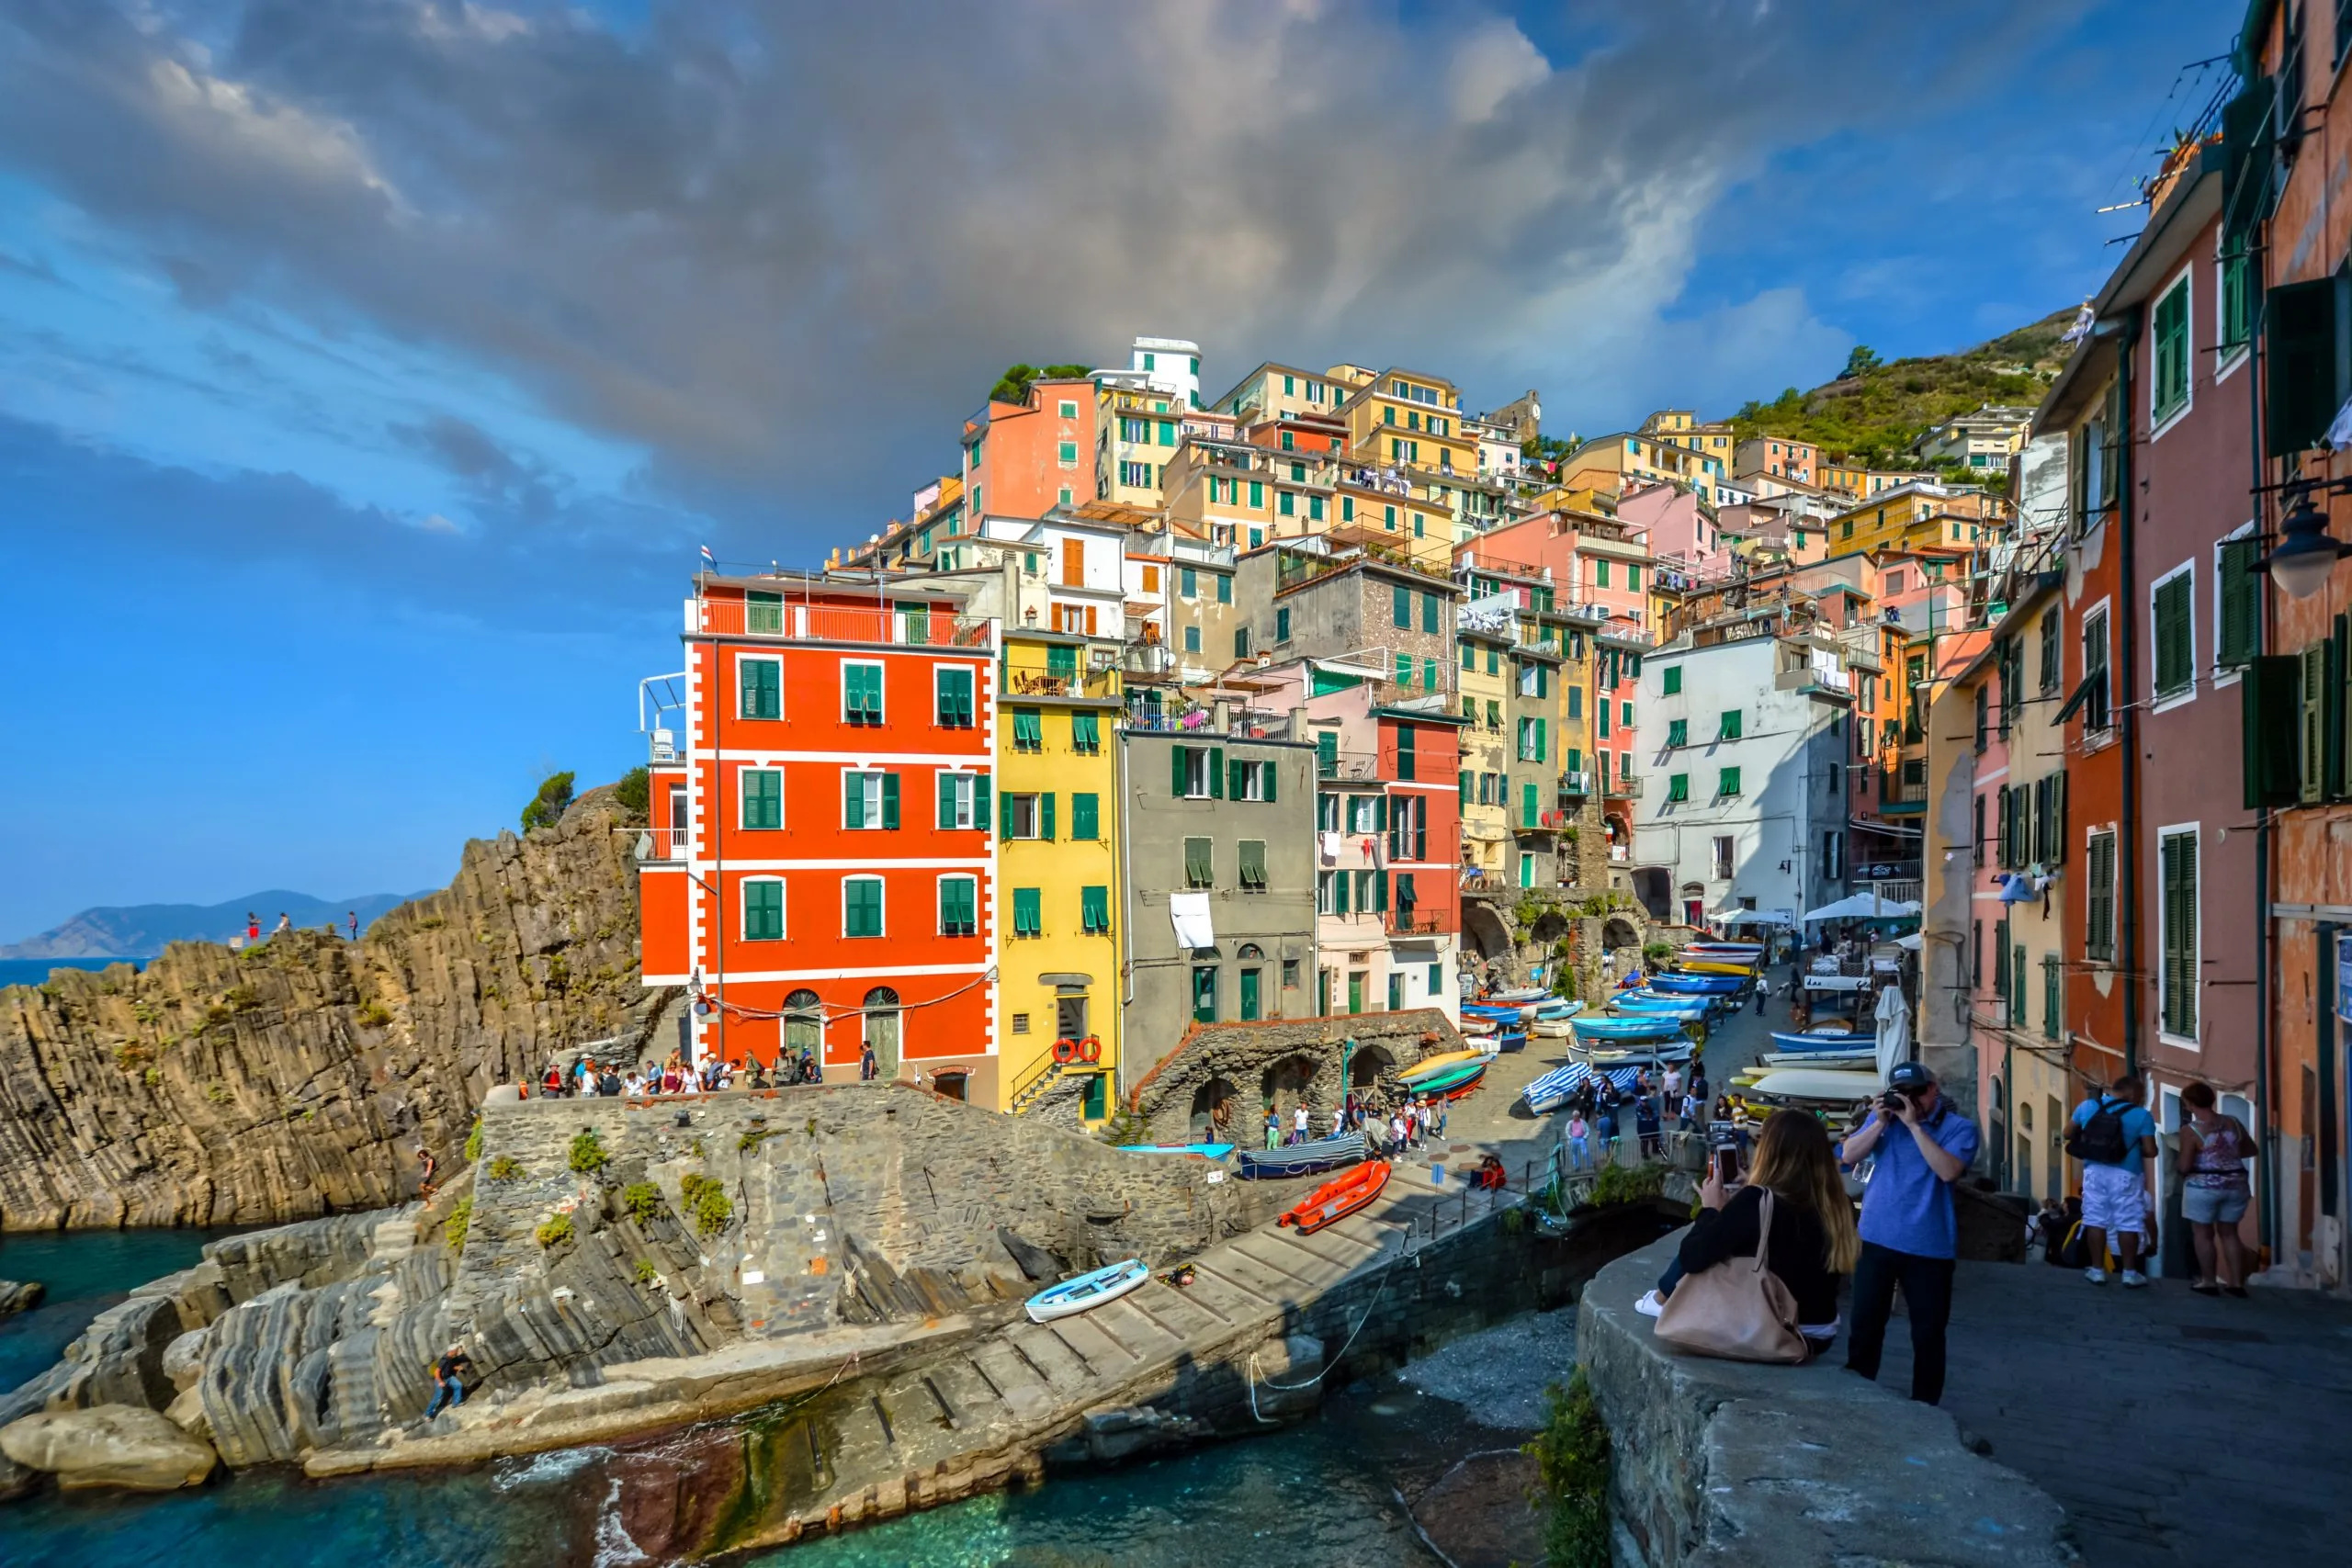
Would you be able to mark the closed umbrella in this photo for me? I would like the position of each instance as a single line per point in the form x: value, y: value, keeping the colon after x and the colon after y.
x: 1893, y: 1020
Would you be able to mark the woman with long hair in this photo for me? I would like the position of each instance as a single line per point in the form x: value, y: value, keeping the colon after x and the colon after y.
x: 1814, y: 1239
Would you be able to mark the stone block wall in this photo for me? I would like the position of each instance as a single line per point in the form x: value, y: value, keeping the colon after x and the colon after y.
x: 1289, y: 1059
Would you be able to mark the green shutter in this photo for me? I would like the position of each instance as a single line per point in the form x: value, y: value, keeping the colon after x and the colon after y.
x: 1379, y: 892
x: 1528, y: 815
x: 2269, y: 726
x: 980, y: 802
x: 1085, y: 816
x: 1237, y: 778
x: 1270, y: 771
x: 1005, y: 829
x: 2174, y: 672
x: 1027, y: 914
x: 2312, y: 707
x: 1677, y: 786
x: 947, y: 792
x: 2241, y: 595
x: 2301, y: 357
x: 853, y: 800
x: 1095, y: 907
x: 2169, y: 355
x: 1176, y: 760
x: 889, y: 800
x: 1046, y: 816
x: 1729, y: 784
x: 1340, y: 882
x: 1429, y: 613
x: 1462, y: 788
x: 1253, y: 868
x: 1678, y: 732
x: 1730, y: 726
x: 1216, y: 773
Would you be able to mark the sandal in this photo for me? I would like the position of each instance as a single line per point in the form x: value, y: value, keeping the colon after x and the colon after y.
x: 2206, y: 1288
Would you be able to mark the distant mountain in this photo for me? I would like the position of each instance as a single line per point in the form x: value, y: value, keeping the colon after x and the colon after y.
x: 1877, y: 414
x: 142, y: 931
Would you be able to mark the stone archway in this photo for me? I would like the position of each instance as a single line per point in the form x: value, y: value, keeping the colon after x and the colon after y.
x: 1367, y: 1064
x: 1488, y: 935
x: 1655, y: 887
x: 1619, y: 933
x: 1213, y: 1111
x: 1286, y: 1085
x: 1550, y: 927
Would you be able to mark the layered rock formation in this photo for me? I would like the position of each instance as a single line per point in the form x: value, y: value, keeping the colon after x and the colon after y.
x: 297, y: 1077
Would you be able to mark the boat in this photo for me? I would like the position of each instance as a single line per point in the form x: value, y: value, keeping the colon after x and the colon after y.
x: 1625, y: 1028
x: 1087, y: 1292
x: 1552, y: 1090
x: 1519, y: 994
x: 1819, y: 1058
x: 1688, y: 1008
x: 1301, y: 1160
x: 1557, y: 1009
x: 1820, y: 1084
x: 1742, y: 952
x: 1206, y: 1151
x: 1428, y: 1066
x: 1675, y: 982
x: 1454, y: 1082
x: 1719, y: 966
x: 1338, y: 1198
x: 1823, y: 1040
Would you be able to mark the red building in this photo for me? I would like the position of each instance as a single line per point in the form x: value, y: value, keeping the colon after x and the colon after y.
x: 820, y: 875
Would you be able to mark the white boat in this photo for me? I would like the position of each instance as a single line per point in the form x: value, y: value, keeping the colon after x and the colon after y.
x: 1087, y: 1292
x: 1820, y: 1084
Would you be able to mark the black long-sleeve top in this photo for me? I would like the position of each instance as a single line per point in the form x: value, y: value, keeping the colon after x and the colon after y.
x: 1799, y: 1254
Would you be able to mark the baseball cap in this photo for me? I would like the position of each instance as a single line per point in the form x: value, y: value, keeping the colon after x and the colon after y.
x: 1910, y: 1077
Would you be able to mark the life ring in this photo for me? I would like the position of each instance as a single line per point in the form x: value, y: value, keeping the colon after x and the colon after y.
x: 1065, y: 1051
x: 1091, y: 1048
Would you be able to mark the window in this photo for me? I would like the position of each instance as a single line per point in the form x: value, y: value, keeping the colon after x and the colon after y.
x: 1404, y: 751
x: 1429, y: 614
x: 1095, y: 911
x: 952, y: 699
x: 869, y: 800
x: 760, y: 691
x: 2051, y: 625
x: 1028, y: 917
x: 762, y: 790
x: 1068, y: 408
x: 1678, y: 787
x: 1028, y: 730
x: 1730, y: 728
x: 1085, y: 816
x: 2239, y: 594
x: 1205, y: 993
x: 1200, y: 864
x: 1576, y: 702
x: 1224, y: 590
x: 2168, y: 354
x: 2233, y: 302
x: 1678, y: 732
x: 1188, y: 582
x: 2177, y: 854
x: 1249, y: 781
x: 862, y: 906
x: 1531, y: 739
x: 1065, y: 453
x: 2098, y: 898
x: 2175, y: 632
x: 1086, y: 733
x: 1673, y: 680
x: 1253, y: 864
x: 1833, y: 856
x: 764, y: 612
x: 1531, y: 810
x: 1241, y: 642
x: 2053, y: 997
x: 1401, y: 607
x: 861, y: 692
x: 2094, y: 709
x: 959, y: 905
x: 1727, y: 785
x: 1723, y: 847
x: 1625, y: 715
x: 1601, y: 574
x: 962, y: 800
x: 1191, y: 639
x: 763, y: 910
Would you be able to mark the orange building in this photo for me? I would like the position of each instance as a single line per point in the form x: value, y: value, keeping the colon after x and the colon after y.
x: 819, y: 874
x: 1022, y: 459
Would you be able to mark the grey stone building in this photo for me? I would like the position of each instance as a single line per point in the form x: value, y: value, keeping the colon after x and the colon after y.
x: 1323, y: 598
x: 1220, y: 823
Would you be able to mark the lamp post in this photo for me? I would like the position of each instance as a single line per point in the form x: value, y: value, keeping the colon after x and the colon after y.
x: 2305, y: 553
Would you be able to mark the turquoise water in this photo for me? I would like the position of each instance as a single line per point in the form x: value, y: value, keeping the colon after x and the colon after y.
x: 33, y: 970
x: 1318, y: 1493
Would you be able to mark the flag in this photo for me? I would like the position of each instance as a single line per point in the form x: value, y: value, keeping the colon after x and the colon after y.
x: 709, y: 559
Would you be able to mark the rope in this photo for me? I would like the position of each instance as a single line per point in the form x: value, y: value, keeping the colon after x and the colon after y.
x: 1404, y: 1251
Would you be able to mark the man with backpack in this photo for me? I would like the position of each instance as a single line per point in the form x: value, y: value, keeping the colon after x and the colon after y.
x: 2113, y: 1134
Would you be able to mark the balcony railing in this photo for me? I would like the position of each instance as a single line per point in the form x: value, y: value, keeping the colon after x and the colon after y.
x: 1413, y: 922
x: 840, y: 622
x: 1050, y: 683
x: 1347, y: 765
x: 1576, y: 786
x: 1624, y: 787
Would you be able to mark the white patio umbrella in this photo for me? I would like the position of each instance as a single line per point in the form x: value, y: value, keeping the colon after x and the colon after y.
x: 1864, y: 907
x: 1757, y: 918
x: 1892, y: 1016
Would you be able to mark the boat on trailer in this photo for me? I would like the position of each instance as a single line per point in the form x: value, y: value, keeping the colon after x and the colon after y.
x: 1087, y: 1292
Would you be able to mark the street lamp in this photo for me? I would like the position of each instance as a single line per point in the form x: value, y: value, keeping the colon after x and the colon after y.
x: 2301, y: 562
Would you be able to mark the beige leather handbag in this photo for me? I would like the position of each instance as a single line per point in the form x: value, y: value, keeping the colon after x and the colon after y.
x: 1738, y: 1310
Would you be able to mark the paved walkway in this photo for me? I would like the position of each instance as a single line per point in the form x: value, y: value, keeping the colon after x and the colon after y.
x: 2172, y: 1428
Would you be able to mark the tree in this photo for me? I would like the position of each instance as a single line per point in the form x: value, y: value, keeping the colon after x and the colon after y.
x: 1013, y: 387
x: 634, y: 791
x: 546, y: 806
x: 1864, y: 358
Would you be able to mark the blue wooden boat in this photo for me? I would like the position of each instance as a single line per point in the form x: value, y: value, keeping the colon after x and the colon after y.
x: 1625, y: 1028
x: 1696, y: 984
x: 1551, y: 1091
x: 1844, y: 1041
x: 1087, y: 1292
x: 1302, y: 1159
x: 1688, y: 1008
x: 1209, y: 1150
x: 1732, y: 950
x: 1557, y: 1009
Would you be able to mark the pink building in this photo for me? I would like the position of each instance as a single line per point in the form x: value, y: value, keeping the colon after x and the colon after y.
x: 1682, y: 535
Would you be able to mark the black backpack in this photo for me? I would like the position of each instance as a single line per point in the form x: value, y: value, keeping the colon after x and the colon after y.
x: 2100, y: 1141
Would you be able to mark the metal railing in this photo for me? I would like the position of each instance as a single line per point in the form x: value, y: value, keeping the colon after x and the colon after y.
x: 1049, y: 684
x: 1577, y: 783
x: 1623, y: 787
x: 842, y: 623
x: 1410, y: 921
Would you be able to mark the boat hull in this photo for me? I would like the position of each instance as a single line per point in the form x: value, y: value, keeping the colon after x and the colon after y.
x: 1625, y: 1028
x: 1087, y: 1292
x: 1679, y: 983
x: 1808, y: 1042
x: 1338, y: 1199
x: 1300, y: 1159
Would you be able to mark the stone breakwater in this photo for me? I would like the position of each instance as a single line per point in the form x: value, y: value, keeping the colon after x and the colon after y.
x: 297, y: 1077
x: 1722, y: 1464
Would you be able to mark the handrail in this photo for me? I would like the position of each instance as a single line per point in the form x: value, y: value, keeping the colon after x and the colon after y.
x: 789, y: 622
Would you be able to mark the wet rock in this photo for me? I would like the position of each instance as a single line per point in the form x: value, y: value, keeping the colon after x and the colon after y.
x: 17, y: 1296
x: 118, y: 1360
x: 183, y: 1360
x: 1481, y: 1513
x: 108, y: 1445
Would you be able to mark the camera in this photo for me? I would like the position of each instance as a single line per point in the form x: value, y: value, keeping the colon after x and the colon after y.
x: 1893, y: 1101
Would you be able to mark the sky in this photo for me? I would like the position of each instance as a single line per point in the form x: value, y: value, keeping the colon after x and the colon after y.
x: 372, y: 370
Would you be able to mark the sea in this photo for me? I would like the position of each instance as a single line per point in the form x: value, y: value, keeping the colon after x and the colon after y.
x: 1322, y: 1492
x: 33, y: 970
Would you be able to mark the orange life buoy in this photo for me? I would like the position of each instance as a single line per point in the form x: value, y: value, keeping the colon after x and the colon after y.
x: 1065, y: 1051
x: 1091, y: 1048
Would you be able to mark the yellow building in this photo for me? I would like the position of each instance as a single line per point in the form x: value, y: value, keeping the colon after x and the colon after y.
x: 1683, y: 428
x: 1607, y: 463
x: 1136, y: 432
x: 1404, y: 419
x: 1057, y: 872
x: 1916, y: 516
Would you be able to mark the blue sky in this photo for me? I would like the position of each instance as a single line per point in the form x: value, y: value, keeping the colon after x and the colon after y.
x: 371, y: 369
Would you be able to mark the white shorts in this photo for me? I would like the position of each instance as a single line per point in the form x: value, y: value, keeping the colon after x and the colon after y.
x: 2112, y: 1198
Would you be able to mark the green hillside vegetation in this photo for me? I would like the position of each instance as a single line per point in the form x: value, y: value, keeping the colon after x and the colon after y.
x: 1876, y: 412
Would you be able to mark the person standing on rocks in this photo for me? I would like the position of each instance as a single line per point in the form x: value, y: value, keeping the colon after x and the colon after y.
x: 353, y: 919
x: 1910, y: 1231
x: 449, y: 1381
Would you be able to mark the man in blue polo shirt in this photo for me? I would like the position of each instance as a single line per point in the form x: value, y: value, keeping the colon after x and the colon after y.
x: 1910, y: 1234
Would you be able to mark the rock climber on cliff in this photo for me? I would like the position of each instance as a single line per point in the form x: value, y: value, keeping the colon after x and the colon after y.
x: 425, y: 1184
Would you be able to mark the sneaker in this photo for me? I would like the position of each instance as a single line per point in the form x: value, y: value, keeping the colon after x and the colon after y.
x: 2096, y: 1276
x: 1649, y: 1306
x: 2133, y: 1279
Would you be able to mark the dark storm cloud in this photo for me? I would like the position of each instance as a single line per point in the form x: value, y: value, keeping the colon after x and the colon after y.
x: 781, y: 247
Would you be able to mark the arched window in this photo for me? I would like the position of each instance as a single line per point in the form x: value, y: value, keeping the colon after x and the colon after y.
x: 882, y: 1030
x: 1250, y: 950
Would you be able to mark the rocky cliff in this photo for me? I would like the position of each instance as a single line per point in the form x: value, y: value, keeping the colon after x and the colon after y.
x: 297, y: 1077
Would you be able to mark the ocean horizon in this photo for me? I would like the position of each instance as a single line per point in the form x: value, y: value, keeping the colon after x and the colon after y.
x: 33, y: 970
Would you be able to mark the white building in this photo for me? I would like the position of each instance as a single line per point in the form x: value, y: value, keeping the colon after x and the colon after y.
x: 1170, y: 364
x: 1985, y: 441
x: 1745, y: 806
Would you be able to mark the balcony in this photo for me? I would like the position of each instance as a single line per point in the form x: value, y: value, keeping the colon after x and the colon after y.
x: 839, y: 623
x: 1347, y: 765
x: 1622, y: 787
x: 1576, y: 786
x: 1094, y: 683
